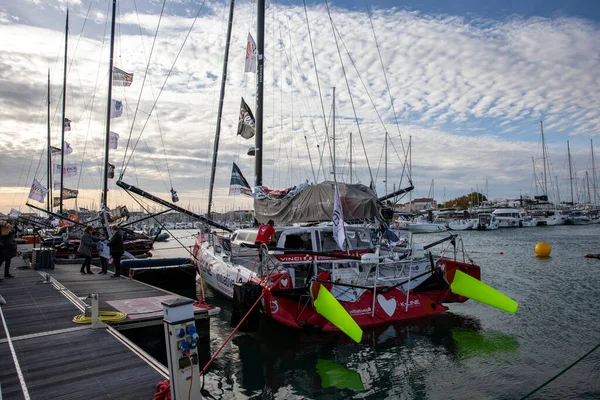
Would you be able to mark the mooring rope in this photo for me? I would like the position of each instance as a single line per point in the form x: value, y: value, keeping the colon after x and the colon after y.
x: 561, y: 372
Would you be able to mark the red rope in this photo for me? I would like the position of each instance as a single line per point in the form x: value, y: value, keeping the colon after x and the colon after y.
x: 163, y: 390
x: 231, y: 334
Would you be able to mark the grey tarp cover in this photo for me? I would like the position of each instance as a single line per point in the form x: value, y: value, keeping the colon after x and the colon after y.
x: 315, y: 203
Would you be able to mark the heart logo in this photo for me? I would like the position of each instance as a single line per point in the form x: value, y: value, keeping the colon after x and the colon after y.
x: 389, y: 306
x: 284, y: 282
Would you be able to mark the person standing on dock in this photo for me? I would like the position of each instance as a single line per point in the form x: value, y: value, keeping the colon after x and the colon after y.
x: 9, y: 246
x: 104, y: 253
x: 116, y: 249
x: 87, y: 243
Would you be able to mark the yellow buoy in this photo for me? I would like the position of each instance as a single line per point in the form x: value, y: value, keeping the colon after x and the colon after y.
x: 542, y: 249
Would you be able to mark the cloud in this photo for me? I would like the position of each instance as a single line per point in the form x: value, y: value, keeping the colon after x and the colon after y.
x: 470, y: 92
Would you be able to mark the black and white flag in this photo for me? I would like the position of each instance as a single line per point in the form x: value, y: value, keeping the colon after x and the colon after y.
x: 246, y: 125
x: 111, y: 171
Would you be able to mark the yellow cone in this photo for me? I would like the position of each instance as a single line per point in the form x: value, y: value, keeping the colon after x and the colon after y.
x: 334, y: 312
x: 542, y: 249
x: 472, y: 288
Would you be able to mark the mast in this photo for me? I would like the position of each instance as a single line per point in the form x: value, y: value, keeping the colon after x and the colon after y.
x: 410, y: 171
x: 260, y: 65
x: 587, y: 179
x: 386, y: 162
x: 544, y: 160
x: 220, y: 111
x: 104, y: 202
x: 351, y: 158
x: 49, y: 153
x: 593, y: 173
x: 334, y: 176
x: 570, y: 172
x: 62, y: 128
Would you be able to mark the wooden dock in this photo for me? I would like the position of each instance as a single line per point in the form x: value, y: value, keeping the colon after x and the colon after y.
x: 44, y: 355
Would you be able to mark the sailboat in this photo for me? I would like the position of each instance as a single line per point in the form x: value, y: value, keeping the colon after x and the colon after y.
x: 369, y: 283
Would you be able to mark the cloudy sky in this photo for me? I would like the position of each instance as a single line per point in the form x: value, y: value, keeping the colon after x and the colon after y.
x: 469, y: 83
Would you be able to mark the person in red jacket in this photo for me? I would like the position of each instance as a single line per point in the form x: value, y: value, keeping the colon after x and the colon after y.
x: 265, y: 235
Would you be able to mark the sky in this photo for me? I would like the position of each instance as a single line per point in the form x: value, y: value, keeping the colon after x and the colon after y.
x: 465, y: 82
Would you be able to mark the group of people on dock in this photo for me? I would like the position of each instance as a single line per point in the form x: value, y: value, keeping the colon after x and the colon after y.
x: 107, y: 249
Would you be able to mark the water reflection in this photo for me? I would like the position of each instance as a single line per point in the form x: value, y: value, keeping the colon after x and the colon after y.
x: 392, y: 361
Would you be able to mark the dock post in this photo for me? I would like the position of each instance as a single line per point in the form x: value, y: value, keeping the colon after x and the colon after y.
x: 96, y: 323
x: 182, y: 348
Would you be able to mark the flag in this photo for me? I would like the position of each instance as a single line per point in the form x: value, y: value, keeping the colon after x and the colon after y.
x: 238, y: 183
x: 116, y: 108
x: 67, y: 124
x: 68, y: 171
x: 54, y: 150
x: 174, y: 196
x: 113, y: 141
x: 338, y: 221
x: 246, y: 123
x: 250, y: 65
x: 70, y: 193
x: 14, y: 213
x: 38, y: 191
x: 111, y: 171
x: 121, y: 78
x: 67, y: 148
x: 67, y: 194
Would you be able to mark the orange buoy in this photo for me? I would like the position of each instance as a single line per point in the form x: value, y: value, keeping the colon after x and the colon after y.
x: 542, y: 249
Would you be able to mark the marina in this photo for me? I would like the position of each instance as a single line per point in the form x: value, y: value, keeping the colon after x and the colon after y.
x: 139, y: 262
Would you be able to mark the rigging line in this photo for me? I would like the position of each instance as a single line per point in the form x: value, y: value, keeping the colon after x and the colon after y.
x: 404, y: 163
x: 143, y: 82
x: 96, y: 86
x: 359, y: 76
x: 317, y: 74
x: 164, y: 84
x: 384, y: 73
x: 373, y: 103
x: 349, y: 92
x: 294, y: 80
x: 561, y: 372
x: 152, y: 92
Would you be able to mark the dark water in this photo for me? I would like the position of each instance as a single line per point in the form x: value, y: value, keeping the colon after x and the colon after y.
x: 471, y: 352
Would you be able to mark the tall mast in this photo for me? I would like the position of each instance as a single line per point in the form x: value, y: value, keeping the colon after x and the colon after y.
x: 535, y: 179
x: 593, y: 173
x: 351, y: 158
x: 260, y: 66
x: 62, y: 125
x: 386, y: 162
x: 570, y: 171
x: 220, y: 111
x: 333, y: 162
x: 544, y: 160
x: 587, y: 179
x: 104, y: 202
x: 410, y: 171
x: 49, y: 153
